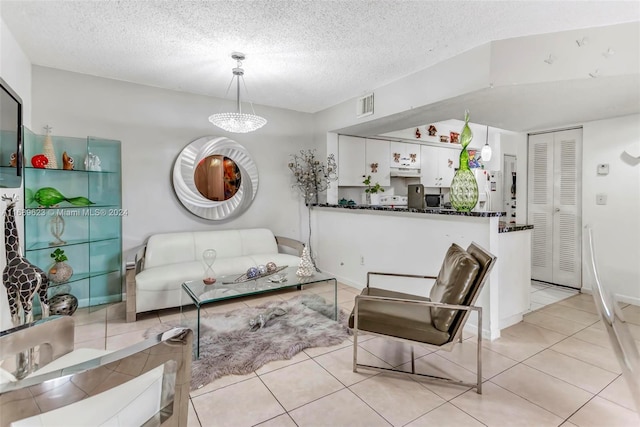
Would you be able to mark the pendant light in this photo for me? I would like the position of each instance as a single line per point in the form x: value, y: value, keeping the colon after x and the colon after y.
x: 238, y: 122
x: 486, y: 152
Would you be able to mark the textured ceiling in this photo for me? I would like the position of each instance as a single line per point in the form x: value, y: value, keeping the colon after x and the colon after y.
x: 301, y: 55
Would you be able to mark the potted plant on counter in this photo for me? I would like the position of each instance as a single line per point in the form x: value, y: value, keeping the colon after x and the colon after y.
x: 371, y: 192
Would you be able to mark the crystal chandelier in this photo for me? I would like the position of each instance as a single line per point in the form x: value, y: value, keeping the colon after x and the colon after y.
x: 238, y: 122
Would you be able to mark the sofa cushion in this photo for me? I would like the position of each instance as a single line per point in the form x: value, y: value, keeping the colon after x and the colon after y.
x: 258, y: 241
x: 235, y: 243
x: 169, y: 248
x: 457, y: 275
x: 226, y: 243
x: 172, y: 276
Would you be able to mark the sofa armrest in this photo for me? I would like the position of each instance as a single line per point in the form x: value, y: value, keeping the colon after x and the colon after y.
x: 134, y: 264
x: 290, y: 243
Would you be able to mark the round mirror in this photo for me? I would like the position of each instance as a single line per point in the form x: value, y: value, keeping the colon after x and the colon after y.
x: 215, y: 178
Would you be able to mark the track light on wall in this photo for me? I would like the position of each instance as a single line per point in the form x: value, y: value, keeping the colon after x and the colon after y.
x: 238, y: 122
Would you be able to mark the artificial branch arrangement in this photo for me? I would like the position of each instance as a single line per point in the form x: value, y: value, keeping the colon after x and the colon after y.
x: 312, y: 177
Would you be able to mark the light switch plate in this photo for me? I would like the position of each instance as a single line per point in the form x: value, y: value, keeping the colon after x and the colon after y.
x: 603, y: 168
x: 601, y: 199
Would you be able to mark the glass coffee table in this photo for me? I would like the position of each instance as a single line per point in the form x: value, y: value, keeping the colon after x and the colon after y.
x: 225, y: 289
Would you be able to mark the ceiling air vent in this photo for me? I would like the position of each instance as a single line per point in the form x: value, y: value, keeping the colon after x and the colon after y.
x: 364, y: 105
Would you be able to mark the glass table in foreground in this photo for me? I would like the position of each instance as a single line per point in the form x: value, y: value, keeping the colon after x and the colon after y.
x: 226, y: 289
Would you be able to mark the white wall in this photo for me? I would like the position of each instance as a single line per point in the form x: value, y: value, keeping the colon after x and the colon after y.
x: 15, y: 70
x: 516, y: 144
x: 616, y: 225
x: 153, y: 126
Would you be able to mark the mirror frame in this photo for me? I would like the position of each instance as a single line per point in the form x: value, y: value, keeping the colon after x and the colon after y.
x: 16, y: 179
x: 184, y: 180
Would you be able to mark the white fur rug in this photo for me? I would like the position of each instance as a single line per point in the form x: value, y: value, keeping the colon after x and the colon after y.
x: 229, y: 346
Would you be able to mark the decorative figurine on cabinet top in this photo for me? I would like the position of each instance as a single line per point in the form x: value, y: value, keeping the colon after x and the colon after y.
x: 432, y: 130
x: 39, y: 161
x: 48, y: 151
x: 92, y: 162
x: 67, y: 162
x: 418, y: 134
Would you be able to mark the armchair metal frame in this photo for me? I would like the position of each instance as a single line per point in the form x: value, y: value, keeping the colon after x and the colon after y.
x: 37, y: 394
x: 622, y: 342
x: 456, y: 335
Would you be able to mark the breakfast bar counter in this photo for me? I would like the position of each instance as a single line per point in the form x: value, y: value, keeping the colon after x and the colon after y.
x: 348, y: 241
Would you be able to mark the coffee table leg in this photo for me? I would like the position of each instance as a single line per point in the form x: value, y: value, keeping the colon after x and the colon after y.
x: 335, y: 299
x: 198, y: 335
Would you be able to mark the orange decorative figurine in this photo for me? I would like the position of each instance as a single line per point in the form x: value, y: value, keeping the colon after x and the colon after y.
x: 67, y: 162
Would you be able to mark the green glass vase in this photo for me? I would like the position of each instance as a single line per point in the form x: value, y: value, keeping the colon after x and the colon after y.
x: 464, y: 187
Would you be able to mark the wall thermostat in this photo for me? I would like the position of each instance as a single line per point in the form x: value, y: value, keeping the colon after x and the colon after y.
x: 603, y: 168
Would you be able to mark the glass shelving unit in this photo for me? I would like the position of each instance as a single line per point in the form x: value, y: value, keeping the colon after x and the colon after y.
x: 92, y: 234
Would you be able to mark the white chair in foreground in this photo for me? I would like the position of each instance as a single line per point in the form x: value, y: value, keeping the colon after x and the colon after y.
x: 622, y: 341
x: 144, y: 384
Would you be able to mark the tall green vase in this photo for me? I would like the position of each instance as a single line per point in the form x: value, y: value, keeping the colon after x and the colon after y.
x: 464, y: 188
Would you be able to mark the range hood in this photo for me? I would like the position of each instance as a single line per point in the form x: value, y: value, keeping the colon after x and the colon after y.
x: 405, y: 172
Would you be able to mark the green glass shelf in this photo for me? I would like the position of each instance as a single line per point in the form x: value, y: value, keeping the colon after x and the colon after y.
x: 72, y: 171
x: 53, y: 209
x: 78, y: 277
x: 38, y: 246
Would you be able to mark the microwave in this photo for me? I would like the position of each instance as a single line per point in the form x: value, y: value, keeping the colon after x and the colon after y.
x: 433, y: 200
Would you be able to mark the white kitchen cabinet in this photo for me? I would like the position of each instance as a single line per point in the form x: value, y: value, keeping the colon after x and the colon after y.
x: 359, y: 157
x: 404, y: 155
x: 438, y: 165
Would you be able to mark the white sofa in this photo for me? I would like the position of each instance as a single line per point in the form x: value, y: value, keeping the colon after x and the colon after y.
x: 155, y: 276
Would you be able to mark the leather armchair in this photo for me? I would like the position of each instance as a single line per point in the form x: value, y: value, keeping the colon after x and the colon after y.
x: 437, y: 320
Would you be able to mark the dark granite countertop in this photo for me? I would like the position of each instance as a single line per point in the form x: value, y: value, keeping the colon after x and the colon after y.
x: 506, y: 227
x: 405, y: 209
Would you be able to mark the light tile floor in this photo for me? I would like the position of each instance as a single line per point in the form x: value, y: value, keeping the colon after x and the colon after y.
x: 554, y: 368
x: 543, y: 294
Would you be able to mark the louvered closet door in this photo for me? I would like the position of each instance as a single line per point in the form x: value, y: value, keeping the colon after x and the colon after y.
x: 554, y: 206
x: 541, y: 205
